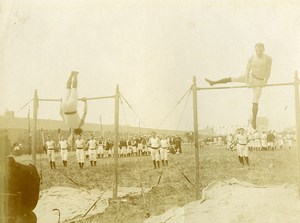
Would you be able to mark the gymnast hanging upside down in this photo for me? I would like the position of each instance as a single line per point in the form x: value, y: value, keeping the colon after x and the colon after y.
x: 256, y: 76
x: 68, y: 107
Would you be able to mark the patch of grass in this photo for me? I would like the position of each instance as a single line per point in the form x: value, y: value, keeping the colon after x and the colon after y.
x: 266, y: 168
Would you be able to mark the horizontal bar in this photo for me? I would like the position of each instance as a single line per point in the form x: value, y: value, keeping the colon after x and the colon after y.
x: 244, y: 86
x: 88, y: 99
x: 96, y: 98
x: 40, y: 99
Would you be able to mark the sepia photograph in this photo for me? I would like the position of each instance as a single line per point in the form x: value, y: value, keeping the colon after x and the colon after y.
x: 158, y: 111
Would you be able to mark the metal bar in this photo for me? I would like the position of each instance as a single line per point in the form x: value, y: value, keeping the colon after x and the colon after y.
x: 88, y: 99
x: 96, y: 98
x: 297, y: 116
x: 43, y: 99
x: 243, y: 86
x: 195, y: 113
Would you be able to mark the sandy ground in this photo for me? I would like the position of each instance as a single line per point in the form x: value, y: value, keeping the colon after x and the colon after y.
x: 223, y: 201
x: 238, y: 202
x: 74, y: 203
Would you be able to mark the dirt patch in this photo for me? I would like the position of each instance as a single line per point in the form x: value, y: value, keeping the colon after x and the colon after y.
x: 234, y: 201
x: 73, y: 204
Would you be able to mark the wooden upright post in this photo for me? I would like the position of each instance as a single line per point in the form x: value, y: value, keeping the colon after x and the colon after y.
x: 43, y: 138
x: 297, y: 115
x: 34, y: 125
x: 59, y: 135
x: 195, y: 110
x: 115, y: 187
x: 101, y: 126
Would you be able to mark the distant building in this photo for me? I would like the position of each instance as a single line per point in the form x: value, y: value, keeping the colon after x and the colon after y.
x: 209, y: 131
x: 9, y: 114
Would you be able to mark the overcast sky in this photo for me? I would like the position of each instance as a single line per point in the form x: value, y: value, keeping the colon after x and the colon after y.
x: 152, y: 49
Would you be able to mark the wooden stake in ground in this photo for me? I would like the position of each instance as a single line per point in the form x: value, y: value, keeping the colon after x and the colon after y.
x: 117, y: 99
x: 34, y: 125
x: 93, y: 205
x: 145, y: 203
x: 297, y: 114
x: 195, y: 109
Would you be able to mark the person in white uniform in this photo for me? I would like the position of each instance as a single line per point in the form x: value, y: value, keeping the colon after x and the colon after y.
x: 229, y: 140
x: 164, y: 146
x: 264, y: 145
x: 50, y: 145
x: 100, y: 149
x: 242, y: 147
x: 92, y: 146
x: 154, y: 143
x: 63, y: 146
x: 219, y: 143
x: 257, y: 143
x: 79, y: 145
x: 289, y: 140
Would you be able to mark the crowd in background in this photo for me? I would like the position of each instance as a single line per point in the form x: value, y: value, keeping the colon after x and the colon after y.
x: 257, y: 141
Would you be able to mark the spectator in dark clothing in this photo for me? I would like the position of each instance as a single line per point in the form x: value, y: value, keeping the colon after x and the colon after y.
x: 177, y: 142
x: 109, y: 147
x: 270, y: 140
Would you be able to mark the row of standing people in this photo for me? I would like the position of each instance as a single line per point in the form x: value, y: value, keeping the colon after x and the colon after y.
x: 244, y: 142
x: 263, y: 141
x: 93, y: 148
